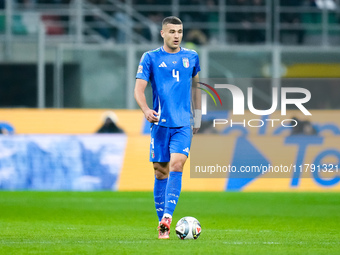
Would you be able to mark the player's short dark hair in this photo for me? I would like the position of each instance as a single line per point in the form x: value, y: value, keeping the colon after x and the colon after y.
x: 171, y: 20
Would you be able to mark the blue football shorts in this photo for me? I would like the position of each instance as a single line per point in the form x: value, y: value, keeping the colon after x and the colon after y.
x: 166, y: 140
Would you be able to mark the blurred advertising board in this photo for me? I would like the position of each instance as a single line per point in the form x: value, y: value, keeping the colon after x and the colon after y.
x: 269, y: 145
x: 61, y: 162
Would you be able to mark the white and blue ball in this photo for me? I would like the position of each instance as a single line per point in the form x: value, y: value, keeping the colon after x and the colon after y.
x: 188, y: 228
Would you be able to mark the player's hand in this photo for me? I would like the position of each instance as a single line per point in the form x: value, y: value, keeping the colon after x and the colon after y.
x: 195, y: 130
x: 151, y: 116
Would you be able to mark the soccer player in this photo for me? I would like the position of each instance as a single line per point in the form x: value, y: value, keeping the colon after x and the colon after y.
x: 173, y: 73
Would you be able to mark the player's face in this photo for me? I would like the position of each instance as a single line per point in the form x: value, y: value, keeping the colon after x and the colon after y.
x: 172, y: 35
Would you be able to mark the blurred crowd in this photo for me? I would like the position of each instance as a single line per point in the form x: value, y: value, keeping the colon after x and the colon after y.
x: 247, y: 21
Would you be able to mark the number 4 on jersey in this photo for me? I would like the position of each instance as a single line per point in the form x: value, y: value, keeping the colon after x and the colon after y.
x: 175, y: 74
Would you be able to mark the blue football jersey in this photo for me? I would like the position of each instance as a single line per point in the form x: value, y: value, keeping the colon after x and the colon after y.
x: 170, y: 75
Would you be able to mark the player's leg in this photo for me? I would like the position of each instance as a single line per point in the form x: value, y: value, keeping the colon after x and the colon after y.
x: 160, y: 156
x: 161, y: 179
x: 179, y: 148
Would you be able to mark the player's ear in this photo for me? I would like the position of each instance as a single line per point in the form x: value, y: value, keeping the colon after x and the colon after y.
x: 162, y: 33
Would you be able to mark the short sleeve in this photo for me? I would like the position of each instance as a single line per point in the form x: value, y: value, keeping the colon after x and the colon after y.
x: 144, y: 67
x: 197, y: 67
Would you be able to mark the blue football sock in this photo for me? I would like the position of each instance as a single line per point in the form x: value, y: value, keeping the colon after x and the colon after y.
x: 159, y: 196
x: 172, y: 192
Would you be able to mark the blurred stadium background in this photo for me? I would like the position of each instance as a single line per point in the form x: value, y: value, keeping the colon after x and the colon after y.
x: 65, y: 63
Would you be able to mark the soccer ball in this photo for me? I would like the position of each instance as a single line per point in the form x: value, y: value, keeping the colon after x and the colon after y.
x: 188, y: 228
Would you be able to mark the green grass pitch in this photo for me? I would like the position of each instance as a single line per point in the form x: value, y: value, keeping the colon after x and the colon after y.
x: 125, y: 223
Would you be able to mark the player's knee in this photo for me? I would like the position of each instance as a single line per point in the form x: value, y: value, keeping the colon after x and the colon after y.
x: 160, y: 175
x: 161, y: 171
x: 177, y: 166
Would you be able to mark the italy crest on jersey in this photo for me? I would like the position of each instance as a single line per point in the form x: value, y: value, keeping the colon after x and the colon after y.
x: 185, y: 62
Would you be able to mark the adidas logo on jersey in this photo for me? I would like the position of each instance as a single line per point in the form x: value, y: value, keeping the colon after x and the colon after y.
x: 162, y: 65
x: 186, y: 150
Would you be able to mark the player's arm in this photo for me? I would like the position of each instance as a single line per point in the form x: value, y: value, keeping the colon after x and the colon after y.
x: 139, y: 93
x: 196, y: 97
